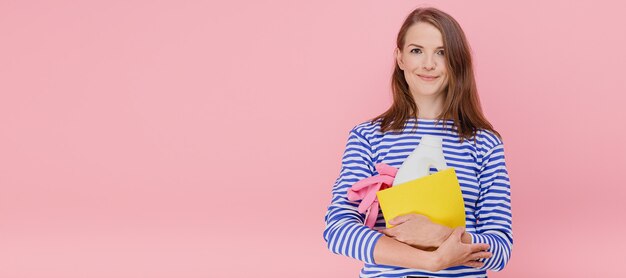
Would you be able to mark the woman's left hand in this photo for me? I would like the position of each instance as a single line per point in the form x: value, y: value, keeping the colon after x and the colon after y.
x: 418, y: 231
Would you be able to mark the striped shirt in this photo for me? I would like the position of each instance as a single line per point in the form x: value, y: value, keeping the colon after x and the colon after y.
x: 482, y: 174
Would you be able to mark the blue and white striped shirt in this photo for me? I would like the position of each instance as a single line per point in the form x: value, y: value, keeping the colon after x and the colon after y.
x: 481, y: 171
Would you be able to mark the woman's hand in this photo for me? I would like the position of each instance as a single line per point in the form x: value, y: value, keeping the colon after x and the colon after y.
x: 418, y: 231
x: 453, y: 252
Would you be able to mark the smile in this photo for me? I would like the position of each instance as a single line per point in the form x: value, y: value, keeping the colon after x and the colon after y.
x: 427, y: 78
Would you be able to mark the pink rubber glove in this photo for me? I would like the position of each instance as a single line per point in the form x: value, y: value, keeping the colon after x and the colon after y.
x: 366, y: 189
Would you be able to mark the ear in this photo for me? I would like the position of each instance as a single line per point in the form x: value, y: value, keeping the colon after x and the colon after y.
x: 398, y: 55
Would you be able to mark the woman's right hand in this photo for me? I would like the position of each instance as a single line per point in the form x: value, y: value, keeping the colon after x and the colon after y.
x: 453, y: 252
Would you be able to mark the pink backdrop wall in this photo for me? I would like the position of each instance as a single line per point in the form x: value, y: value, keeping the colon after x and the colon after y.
x: 201, y: 139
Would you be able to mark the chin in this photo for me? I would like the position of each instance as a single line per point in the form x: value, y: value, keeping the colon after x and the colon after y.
x: 429, y: 93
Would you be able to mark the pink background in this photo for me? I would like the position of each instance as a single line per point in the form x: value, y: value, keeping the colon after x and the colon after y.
x: 202, y: 139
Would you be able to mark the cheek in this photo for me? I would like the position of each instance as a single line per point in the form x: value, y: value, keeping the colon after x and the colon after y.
x: 445, y: 76
x: 411, y: 64
x: 441, y: 84
x: 409, y: 75
x: 443, y: 81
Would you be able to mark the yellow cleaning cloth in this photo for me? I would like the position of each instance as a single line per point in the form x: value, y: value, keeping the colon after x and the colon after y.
x: 437, y: 196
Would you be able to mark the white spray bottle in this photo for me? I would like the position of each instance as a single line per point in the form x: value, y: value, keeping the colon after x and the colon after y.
x: 428, y: 153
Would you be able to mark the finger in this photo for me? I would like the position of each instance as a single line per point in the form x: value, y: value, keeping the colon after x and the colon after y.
x: 400, y: 219
x: 461, y: 230
x: 477, y: 247
x: 474, y: 264
x: 480, y: 255
x: 388, y: 232
x: 455, y: 235
x: 458, y: 232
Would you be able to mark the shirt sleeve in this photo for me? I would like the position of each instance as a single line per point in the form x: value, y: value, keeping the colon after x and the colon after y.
x: 493, y: 211
x: 345, y: 232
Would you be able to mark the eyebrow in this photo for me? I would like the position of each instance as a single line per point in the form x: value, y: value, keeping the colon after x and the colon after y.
x: 422, y: 46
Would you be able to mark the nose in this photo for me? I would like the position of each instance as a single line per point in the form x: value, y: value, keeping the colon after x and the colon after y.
x: 429, y: 63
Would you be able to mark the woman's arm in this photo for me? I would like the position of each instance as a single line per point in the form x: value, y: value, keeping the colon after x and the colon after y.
x: 389, y: 251
x: 493, y: 211
x: 419, y: 231
x: 452, y: 252
x: 345, y: 232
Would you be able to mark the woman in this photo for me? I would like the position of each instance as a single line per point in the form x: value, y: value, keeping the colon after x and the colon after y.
x: 434, y: 92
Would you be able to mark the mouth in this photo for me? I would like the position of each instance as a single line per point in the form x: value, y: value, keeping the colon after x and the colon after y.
x: 428, y: 77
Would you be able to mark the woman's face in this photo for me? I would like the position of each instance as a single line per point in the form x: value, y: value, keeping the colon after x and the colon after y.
x: 423, y: 60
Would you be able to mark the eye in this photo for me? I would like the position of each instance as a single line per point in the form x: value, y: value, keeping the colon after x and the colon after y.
x: 440, y: 52
x: 416, y: 49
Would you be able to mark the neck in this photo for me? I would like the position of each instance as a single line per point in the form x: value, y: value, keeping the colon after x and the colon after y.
x: 429, y: 107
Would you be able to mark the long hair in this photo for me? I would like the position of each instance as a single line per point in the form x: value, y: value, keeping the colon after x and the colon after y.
x: 461, y: 102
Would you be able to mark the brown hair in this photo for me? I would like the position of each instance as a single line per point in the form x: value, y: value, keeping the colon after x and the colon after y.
x: 461, y: 102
